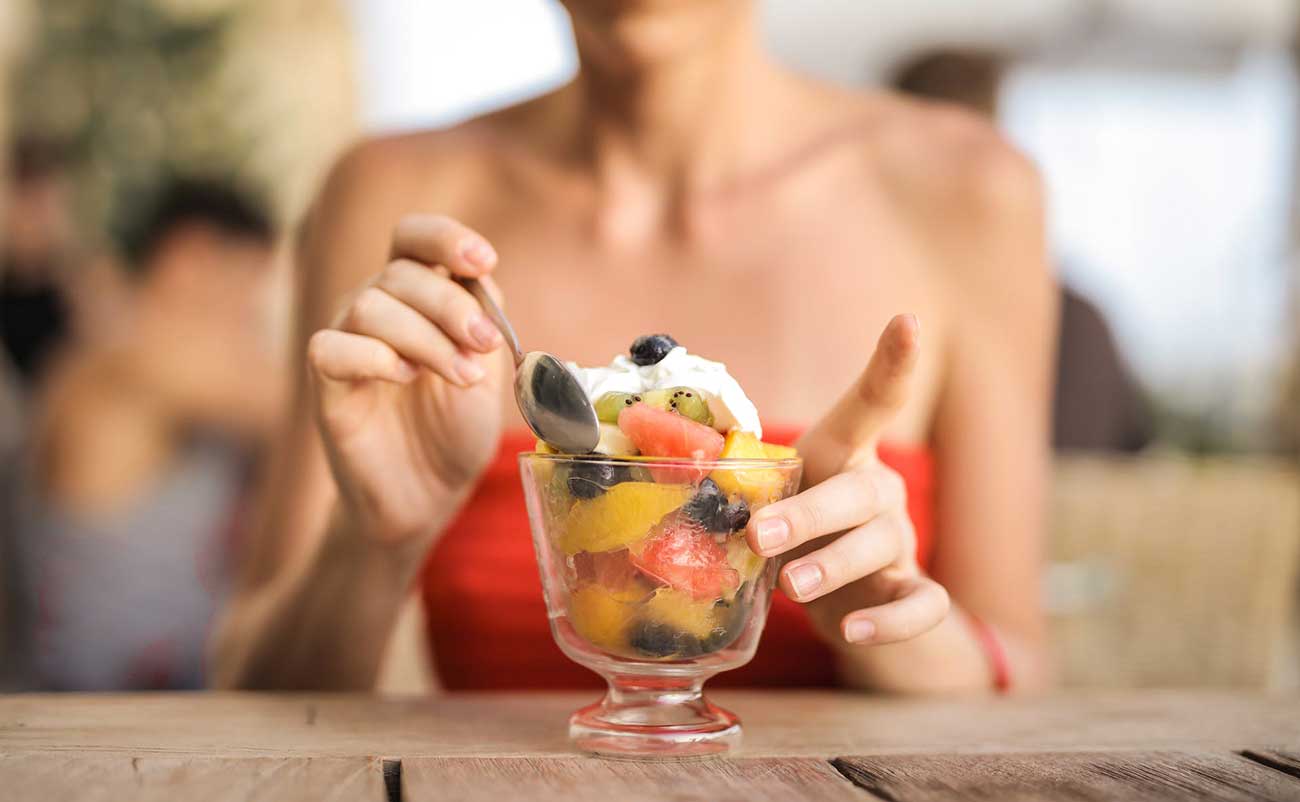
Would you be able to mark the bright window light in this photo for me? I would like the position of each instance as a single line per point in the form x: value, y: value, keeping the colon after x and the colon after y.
x: 1171, y: 194
x: 435, y: 62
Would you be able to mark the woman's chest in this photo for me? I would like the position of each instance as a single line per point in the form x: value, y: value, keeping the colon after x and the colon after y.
x: 792, y: 303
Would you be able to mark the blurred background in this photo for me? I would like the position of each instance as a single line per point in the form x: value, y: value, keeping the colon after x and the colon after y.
x: 148, y: 139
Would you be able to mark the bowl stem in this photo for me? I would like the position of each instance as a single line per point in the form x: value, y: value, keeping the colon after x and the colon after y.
x: 655, y: 718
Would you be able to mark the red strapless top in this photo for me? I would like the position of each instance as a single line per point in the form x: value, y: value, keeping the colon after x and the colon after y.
x: 487, y: 619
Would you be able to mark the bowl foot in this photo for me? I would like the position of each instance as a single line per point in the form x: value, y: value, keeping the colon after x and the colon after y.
x: 655, y: 719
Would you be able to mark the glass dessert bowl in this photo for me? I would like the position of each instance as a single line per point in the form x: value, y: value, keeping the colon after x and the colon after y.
x: 650, y: 583
x: 648, y: 578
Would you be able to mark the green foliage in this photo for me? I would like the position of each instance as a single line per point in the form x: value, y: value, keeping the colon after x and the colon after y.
x: 134, y: 88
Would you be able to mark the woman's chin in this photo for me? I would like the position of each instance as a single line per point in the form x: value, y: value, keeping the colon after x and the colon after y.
x: 632, y: 33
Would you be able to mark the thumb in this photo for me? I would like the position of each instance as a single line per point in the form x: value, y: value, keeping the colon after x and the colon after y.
x: 848, y: 434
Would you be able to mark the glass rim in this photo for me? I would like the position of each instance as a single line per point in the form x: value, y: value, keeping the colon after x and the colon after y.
x: 664, y: 462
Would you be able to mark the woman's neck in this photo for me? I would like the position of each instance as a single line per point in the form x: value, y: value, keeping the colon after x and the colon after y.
x: 660, y: 120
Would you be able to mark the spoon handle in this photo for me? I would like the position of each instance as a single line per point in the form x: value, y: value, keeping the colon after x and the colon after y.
x: 494, y: 314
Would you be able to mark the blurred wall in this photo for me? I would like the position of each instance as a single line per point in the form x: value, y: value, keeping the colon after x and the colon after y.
x: 847, y: 40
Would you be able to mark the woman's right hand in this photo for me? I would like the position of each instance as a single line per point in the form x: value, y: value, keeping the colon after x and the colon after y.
x: 409, y: 384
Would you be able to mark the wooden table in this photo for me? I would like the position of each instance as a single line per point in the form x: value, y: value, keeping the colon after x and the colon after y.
x: 798, y: 746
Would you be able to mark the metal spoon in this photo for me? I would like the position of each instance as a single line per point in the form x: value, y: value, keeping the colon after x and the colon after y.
x: 553, y: 403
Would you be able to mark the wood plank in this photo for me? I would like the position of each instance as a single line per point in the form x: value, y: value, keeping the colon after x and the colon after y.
x: 837, y: 723
x: 576, y: 779
x: 59, y: 776
x: 1286, y: 762
x: 267, y: 724
x: 1082, y: 776
x: 531, y: 725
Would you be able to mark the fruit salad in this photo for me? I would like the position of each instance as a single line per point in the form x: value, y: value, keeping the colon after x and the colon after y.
x: 644, y: 542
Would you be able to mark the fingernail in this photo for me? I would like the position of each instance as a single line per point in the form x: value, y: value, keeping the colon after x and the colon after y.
x: 479, y: 253
x: 469, y: 370
x: 483, y: 332
x: 805, y: 578
x: 858, y: 630
x: 772, y: 533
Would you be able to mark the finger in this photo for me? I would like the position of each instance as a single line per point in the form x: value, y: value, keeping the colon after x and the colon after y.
x: 377, y: 314
x: 440, y: 240
x: 451, y: 308
x: 852, y: 556
x: 919, y: 605
x: 841, y: 502
x: 862, y: 413
x: 341, y: 356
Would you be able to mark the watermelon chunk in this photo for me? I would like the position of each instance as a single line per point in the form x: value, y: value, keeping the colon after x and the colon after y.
x: 659, y: 433
x: 612, y: 570
x: 683, y: 556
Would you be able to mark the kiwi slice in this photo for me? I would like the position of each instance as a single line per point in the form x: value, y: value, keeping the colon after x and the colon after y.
x: 610, y: 404
x: 685, y: 401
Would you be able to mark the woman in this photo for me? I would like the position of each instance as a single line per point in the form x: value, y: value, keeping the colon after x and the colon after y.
x: 681, y: 183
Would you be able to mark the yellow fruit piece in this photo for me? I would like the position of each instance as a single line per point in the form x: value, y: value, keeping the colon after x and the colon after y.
x: 601, y: 616
x: 681, y: 612
x: 748, y: 564
x: 742, y: 445
x: 758, y: 486
x: 774, y: 451
x: 619, y: 517
x: 542, y: 448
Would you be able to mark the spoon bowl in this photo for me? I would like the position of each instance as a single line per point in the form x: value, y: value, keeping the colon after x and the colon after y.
x: 554, y: 404
x: 552, y: 401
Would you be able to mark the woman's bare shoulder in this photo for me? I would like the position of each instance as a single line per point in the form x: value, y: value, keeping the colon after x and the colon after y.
x: 411, y: 169
x: 930, y: 159
x: 948, y: 158
x: 455, y: 170
x: 380, y: 179
x: 346, y: 234
x: 954, y: 178
x: 972, y: 196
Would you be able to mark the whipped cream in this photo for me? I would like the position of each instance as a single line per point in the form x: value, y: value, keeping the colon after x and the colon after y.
x: 731, y: 408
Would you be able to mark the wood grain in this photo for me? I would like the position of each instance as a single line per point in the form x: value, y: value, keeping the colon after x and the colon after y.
x: 1285, y: 762
x: 590, y: 780
x: 1129, y: 745
x: 59, y: 776
x: 1076, y: 776
x: 777, y: 724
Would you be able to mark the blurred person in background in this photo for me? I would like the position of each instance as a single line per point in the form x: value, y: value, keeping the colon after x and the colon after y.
x: 35, y: 314
x: 1097, y: 404
x: 139, y: 455
x: 681, y: 183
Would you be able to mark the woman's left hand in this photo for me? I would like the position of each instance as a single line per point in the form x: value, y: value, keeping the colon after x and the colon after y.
x: 847, y: 542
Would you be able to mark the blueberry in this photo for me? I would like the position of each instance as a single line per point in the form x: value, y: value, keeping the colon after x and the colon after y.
x: 708, y: 507
x: 655, y: 639
x: 652, y: 348
x: 719, y: 638
x: 737, y: 515
x: 732, y: 617
x: 590, y: 479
